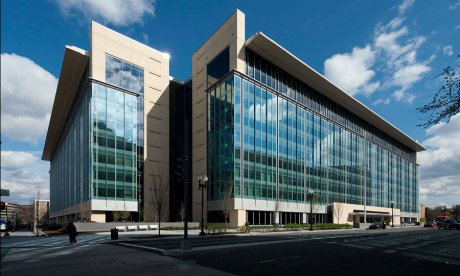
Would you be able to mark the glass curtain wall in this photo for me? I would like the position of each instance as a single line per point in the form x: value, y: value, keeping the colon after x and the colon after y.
x: 69, y: 170
x: 270, y: 75
x: 114, y: 144
x: 282, y: 148
x: 117, y: 128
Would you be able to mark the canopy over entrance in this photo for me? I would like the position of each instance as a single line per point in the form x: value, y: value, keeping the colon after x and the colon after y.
x: 371, y: 214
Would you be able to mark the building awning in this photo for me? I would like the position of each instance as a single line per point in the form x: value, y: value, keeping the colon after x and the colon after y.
x: 371, y: 214
x: 269, y: 49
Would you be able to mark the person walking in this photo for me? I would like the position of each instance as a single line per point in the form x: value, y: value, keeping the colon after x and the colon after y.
x: 72, y: 231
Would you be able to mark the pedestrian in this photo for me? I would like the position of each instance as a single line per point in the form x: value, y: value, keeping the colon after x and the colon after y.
x: 72, y: 231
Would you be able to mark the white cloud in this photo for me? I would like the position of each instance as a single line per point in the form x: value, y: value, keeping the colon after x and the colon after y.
x: 23, y: 174
x: 405, y: 5
x: 381, y: 101
x: 27, y: 97
x: 406, y: 76
x: 351, y: 71
x: 457, y: 27
x: 391, y: 57
x: 116, y: 12
x: 448, y: 50
x: 16, y: 159
x: 455, y: 6
x: 440, y: 163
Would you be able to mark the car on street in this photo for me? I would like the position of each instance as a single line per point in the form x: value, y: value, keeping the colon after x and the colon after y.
x: 446, y: 224
x: 452, y: 225
x: 375, y: 225
x: 430, y: 224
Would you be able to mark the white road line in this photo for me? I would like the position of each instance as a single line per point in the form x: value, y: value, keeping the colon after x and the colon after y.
x: 141, y: 246
x: 280, y: 259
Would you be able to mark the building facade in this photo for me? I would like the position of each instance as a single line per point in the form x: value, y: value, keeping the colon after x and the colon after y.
x: 277, y: 141
x: 109, y: 130
x: 289, y: 144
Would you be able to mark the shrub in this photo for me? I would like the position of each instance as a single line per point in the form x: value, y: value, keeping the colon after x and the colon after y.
x: 216, y: 228
x: 324, y: 226
x: 294, y: 227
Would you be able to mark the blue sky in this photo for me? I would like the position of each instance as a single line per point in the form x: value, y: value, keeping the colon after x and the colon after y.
x: 387, y: 54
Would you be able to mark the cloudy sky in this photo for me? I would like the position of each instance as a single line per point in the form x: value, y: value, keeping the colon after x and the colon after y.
x: 387, y: 54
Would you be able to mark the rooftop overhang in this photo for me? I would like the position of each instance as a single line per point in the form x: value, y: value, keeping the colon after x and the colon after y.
x: 73, y: 68
x: 272, y: 51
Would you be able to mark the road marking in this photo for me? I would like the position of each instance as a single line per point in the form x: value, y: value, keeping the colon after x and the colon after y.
x: 144, y: 247
x: 390, y: 251
x: 358, y: 246
x: 279, y: 259
x: 442, y: 250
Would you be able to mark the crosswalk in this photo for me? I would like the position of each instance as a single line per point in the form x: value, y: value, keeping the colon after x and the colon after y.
x: 441, y: 246
x: 52, y: 241
x: 30, y: 250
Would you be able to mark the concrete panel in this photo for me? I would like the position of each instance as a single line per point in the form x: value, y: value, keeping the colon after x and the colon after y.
x: 113, y: 205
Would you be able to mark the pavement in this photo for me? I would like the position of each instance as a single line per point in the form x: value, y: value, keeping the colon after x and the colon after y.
x: 144, y: 253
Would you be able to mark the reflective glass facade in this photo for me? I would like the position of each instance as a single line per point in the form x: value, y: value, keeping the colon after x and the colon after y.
x: 69, y: 170
x: 285, y: 142
x: 116, y: 146
x: 124, y: 74
x: 100, y: 156
x: 218, y: 67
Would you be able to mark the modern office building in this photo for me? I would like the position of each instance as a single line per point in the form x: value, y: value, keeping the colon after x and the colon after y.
x: 108, y: 137
x: 278, y: 142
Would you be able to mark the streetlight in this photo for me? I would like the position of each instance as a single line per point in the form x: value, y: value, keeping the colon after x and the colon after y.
x: 392, y: 205
x: 202, y: 183
x: 311, y: 194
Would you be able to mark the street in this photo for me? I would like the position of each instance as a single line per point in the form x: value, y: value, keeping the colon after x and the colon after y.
x: 349, y: 252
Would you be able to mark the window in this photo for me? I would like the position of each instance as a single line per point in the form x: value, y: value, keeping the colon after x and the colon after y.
x: 124, y: 74
x: 218, y: 67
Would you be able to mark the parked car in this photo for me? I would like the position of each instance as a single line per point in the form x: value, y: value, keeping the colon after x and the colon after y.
x: 445, y: 223
x: 375, y: 225
x: 430, y: 224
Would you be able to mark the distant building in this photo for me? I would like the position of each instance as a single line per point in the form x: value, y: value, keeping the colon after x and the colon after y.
x: 271, y: 135
x: 42, y: 211
x: 422, y: 211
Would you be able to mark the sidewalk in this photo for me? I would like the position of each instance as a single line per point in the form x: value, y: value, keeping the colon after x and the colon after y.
x: 19, y: 234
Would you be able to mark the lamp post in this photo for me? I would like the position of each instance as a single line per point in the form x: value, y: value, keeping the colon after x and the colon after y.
x: 202, y: 183
x: 392, y: 218
x: 311, y: 194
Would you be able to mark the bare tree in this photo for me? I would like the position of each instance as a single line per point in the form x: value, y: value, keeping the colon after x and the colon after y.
x: 446, y: 102
x: 116, y: 215
x: 227, y: 201
x: 124, y: 215
x: 338, y: 210
x: 159, y: 193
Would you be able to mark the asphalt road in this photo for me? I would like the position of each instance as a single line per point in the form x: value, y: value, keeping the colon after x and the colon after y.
x: 425, y: 252
x: 372, y: 252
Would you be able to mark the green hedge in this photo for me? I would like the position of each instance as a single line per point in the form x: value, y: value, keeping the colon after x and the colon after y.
x: 325, y: 226
x: 216, y: 228
x: 259, y: 228
x: 293, y: 227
